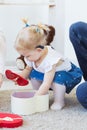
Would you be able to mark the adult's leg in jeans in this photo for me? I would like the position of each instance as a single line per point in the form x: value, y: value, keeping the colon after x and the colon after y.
x: 78, y: 37
x: 81, y: 93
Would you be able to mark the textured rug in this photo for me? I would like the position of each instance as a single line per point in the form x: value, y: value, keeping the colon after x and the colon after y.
x: 72, y: 117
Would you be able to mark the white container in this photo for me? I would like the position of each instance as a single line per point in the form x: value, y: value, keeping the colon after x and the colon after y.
x: 25, y: 103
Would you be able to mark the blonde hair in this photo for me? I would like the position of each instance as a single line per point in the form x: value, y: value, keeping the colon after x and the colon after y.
x: 30, y: 37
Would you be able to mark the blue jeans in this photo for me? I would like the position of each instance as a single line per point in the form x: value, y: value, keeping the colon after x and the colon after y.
x: 81, y: 93
x: 78, y: 37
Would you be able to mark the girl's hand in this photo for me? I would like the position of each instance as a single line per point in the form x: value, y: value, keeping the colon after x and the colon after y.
x: 38, y: 93
x: 15, y: 81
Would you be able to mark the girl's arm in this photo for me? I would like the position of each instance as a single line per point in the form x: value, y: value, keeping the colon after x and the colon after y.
x: 48, y: 78
x: 25, y: 73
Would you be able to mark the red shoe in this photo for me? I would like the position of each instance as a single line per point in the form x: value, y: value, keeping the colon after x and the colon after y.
x: 20, y: 80
x: 10, y: 120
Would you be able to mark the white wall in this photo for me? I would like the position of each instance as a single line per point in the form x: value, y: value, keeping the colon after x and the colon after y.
x: 10, y: 22
x: 75, y: 10
x: 61, y: 16
x: 60, y: 24
x: 57, y: 19
x: 23, y: 1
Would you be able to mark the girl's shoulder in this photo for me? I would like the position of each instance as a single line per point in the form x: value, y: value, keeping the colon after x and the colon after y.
x: 53, y: 56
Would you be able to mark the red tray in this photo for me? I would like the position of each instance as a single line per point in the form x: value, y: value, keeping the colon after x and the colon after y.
x: 10, y: 120
x: 13, y: 76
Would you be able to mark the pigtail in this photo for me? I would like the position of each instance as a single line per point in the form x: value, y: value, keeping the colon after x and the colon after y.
x: 49, y: 32
x: 25, y: 21
x: 51, y: 35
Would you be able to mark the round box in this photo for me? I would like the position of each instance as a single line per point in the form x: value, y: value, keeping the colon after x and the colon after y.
x: 25, y: 103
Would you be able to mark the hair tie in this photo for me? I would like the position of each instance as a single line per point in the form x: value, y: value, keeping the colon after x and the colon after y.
x: 37, y: 30
x: 42, y: 26
x: 25, y: 20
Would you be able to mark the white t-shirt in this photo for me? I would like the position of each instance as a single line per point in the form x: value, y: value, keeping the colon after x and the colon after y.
x: 51, y: 58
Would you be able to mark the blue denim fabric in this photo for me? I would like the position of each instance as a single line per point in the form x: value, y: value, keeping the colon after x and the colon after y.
x: 70, y: 79
x: 81, y: 93
x: 78, y: 37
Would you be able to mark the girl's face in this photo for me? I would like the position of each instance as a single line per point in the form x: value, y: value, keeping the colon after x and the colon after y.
x: 32, y: 55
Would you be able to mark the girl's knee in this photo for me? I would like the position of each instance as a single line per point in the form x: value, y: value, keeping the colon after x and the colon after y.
x: 76, y: 26
x: 81, y: 94
x: 75, y: 30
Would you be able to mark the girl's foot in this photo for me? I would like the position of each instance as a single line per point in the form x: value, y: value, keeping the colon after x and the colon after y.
x: 57, y: 106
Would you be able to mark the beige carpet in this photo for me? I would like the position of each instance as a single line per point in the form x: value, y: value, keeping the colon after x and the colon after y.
x: 72, y: 117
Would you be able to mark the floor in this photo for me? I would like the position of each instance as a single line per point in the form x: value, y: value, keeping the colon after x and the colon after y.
x: 72, y: 117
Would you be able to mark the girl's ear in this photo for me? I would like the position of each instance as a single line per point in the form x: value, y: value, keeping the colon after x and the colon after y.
x: 39, y: 49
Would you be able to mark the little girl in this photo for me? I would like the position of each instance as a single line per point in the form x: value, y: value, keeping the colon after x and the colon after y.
x: 2, y: 56
x: 56, y: 72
